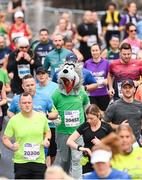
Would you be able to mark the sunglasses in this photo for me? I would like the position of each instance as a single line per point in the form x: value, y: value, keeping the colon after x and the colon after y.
x: 134, y: 30
x: 24, y: 47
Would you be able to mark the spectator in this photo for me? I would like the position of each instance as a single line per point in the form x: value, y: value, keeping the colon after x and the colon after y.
x: 110, y: 22
x: 21, y: 62
x: 126, y: 110
x: 19, y: 28
x: 42, y: 46
x: 87, y: 35
x: 31, y: 132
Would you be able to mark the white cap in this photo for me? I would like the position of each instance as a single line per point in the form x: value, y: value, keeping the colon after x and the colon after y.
x: 101, y: 156
x: 19, y: 14
x: 23, y: 42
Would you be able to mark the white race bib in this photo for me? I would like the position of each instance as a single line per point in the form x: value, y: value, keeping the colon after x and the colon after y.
x: 119, y: 89
x: 91, y: 40
x: 31, y: 151
x: 100, y: 81
x: 23, y: 69
x: 135, y: 50
x: 72, y: 118
x: 17, y: 35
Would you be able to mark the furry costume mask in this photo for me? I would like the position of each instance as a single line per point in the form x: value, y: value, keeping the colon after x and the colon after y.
x: 70, y: 78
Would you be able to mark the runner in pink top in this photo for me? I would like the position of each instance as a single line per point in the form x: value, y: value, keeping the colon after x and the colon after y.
x: 132, y: 39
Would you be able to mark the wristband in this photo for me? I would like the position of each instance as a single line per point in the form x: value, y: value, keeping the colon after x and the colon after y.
x: 78, y: 147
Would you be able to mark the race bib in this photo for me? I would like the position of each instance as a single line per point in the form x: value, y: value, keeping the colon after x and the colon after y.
x: 31, y: 151
x: 135, y: 50
x: 72, y: 118
x: 91, y: 40
x: 23, y: 69
x: 100, y: 81
x: 119, y: 89
x: 42, y: 60
x: 17, y: 35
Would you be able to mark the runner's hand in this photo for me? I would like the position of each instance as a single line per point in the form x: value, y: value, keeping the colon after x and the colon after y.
x: 111, y: 92
x: 15, y: 147
x: 46, y: 143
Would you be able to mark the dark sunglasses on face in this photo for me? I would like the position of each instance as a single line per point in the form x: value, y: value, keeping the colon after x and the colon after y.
x: 23, y: 47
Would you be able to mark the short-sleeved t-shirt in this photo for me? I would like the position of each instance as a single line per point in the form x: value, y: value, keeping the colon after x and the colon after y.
x: 120, y: 71
x: 4, y: 77
x: 88, y: 134
x: 40, y: 104
x: 120, y: 110
x: 71, y: 110
x: 28, y: 132
x: 130, y: 163
x: 100, y: 72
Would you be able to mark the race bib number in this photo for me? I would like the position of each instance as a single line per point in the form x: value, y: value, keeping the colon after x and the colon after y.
x: 31, y: 151
x: 91, y: 40
x: 72, y: 118
x: 23, y: 69
x: 119, y: 89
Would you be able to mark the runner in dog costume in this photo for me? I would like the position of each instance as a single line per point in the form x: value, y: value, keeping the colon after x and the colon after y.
x: 70, y: 100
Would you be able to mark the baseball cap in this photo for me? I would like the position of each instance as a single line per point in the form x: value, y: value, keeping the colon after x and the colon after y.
x: 23, y: 42
x: 19, y: 14
x: 128, y: 82
x: 101, y: 156
x: 41, y: 70
x: 71, y: 57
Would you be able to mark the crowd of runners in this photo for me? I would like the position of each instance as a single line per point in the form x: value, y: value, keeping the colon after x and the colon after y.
x: 105, y: 140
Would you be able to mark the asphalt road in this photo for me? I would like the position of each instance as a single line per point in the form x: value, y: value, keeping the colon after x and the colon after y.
x: 6, y: 164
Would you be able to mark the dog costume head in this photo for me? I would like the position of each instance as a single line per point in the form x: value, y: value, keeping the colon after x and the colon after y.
x: 70, y: 78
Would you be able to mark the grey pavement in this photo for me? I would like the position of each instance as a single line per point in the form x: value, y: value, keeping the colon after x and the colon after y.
x: 6, y: 164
